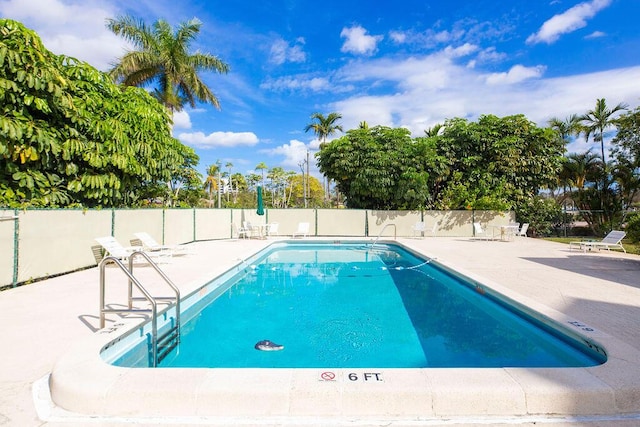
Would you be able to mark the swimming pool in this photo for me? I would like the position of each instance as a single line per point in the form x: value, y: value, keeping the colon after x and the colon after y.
x: 81, y: 381
x: 351, y: 305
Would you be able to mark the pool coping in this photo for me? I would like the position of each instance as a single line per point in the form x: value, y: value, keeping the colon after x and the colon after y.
x: 81, y: 383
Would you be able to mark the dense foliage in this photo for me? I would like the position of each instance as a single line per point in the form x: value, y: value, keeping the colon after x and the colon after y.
x: 494, y: 163
x: 604, y: 192
x: 70, y: 136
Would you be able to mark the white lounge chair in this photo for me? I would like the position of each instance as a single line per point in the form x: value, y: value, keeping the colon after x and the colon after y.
x: 303, y: 230
x: 115, y: 249
x: 419, y: 228
x: 611, y: 240
x: 150, y: 244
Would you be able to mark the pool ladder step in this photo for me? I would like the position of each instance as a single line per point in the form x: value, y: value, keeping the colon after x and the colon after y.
x: 161, y: 345
x: 167, y: 342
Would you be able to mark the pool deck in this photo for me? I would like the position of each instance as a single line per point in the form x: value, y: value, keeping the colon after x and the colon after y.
x: 596, y: 292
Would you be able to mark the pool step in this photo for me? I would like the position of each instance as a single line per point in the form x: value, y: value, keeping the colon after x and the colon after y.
x: 167, y: 342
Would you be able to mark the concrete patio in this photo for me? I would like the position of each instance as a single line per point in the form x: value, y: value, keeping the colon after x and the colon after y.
x: 42, y: 320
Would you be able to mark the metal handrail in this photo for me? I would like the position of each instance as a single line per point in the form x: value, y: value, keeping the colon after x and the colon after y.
x: 148, y: 297
x: 395, y: 232
x: 166, y: 279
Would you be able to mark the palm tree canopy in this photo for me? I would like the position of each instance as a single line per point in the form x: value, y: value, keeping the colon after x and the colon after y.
x: 571, y: 126
x: 324, y: 126
x: 596, y: 121
x: 162, y: 57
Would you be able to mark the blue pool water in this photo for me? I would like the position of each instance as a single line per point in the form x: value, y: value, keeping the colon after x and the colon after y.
x: 353, y: 306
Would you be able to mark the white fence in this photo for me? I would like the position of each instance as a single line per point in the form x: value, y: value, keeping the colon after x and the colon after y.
x: 41, y: 243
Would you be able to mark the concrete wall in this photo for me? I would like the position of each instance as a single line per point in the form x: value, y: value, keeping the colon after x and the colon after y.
x: 51, y: 242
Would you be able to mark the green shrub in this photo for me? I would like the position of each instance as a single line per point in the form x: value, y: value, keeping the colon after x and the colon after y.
x: 633, y: 227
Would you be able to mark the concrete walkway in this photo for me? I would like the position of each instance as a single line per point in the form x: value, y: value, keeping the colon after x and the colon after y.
x: 41, y: 320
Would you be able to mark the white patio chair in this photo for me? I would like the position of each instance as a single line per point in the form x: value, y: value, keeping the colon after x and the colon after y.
x: 418, y: 229
x: 254, y: 231
x: 303, y: 230
x: 481, y: 233
x: 522, y: 232
x: 239, y: 232
x: 272, y: 229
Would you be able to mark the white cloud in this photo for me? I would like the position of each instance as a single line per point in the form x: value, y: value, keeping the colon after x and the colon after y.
x: 181, y: 120
x: 595, y: 35
x: 567, y: 22
x: 298, y: 83
x: 281, y: 52
x: 73, y: 29
x: 219, y: 139
x: 358, y: 41
x: 293, y: 154
x: 430, y: 89
x: 516, y: 74
x: 398, y: 36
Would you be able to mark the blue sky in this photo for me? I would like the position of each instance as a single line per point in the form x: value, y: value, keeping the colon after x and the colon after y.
x: 405, y: 63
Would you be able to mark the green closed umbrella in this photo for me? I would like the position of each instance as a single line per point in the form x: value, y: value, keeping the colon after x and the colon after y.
x: 260, y: 210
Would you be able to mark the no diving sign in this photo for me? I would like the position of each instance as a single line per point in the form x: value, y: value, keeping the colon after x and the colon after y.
x: 351, y: 376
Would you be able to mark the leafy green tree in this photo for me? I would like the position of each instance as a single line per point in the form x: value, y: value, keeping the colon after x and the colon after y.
x: 543, y: 215
x: 495, y: 163
x: 626, y: 152
x: 315, y: 192
x: 69, y: 136
x: 162, y: 59
x: 377, y: 168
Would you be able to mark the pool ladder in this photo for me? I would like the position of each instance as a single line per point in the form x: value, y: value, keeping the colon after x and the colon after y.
x: 161, y: 345
x: 395, y: 231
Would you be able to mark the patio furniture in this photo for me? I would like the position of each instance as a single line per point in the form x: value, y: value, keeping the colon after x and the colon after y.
x: 117, y: 250
x: 150, y: 244
x: 272, y: 229
x: 303, y: 230
x: 253, y: 230
x: 240, y: 232
x: 523, y: 230
x: 611, y: 240
x: 481, y: 233
x: 418, y: 229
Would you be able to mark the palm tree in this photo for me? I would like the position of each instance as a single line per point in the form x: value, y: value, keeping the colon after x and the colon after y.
x: 211, y: 183
x: 324, y: 127
x: 434, y: 131
x: 571, y: 126
x: 229, y: 165
x: 580, y: 168
x: 598, y: 120
x: 162, y: 58
x: 263, y: 167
